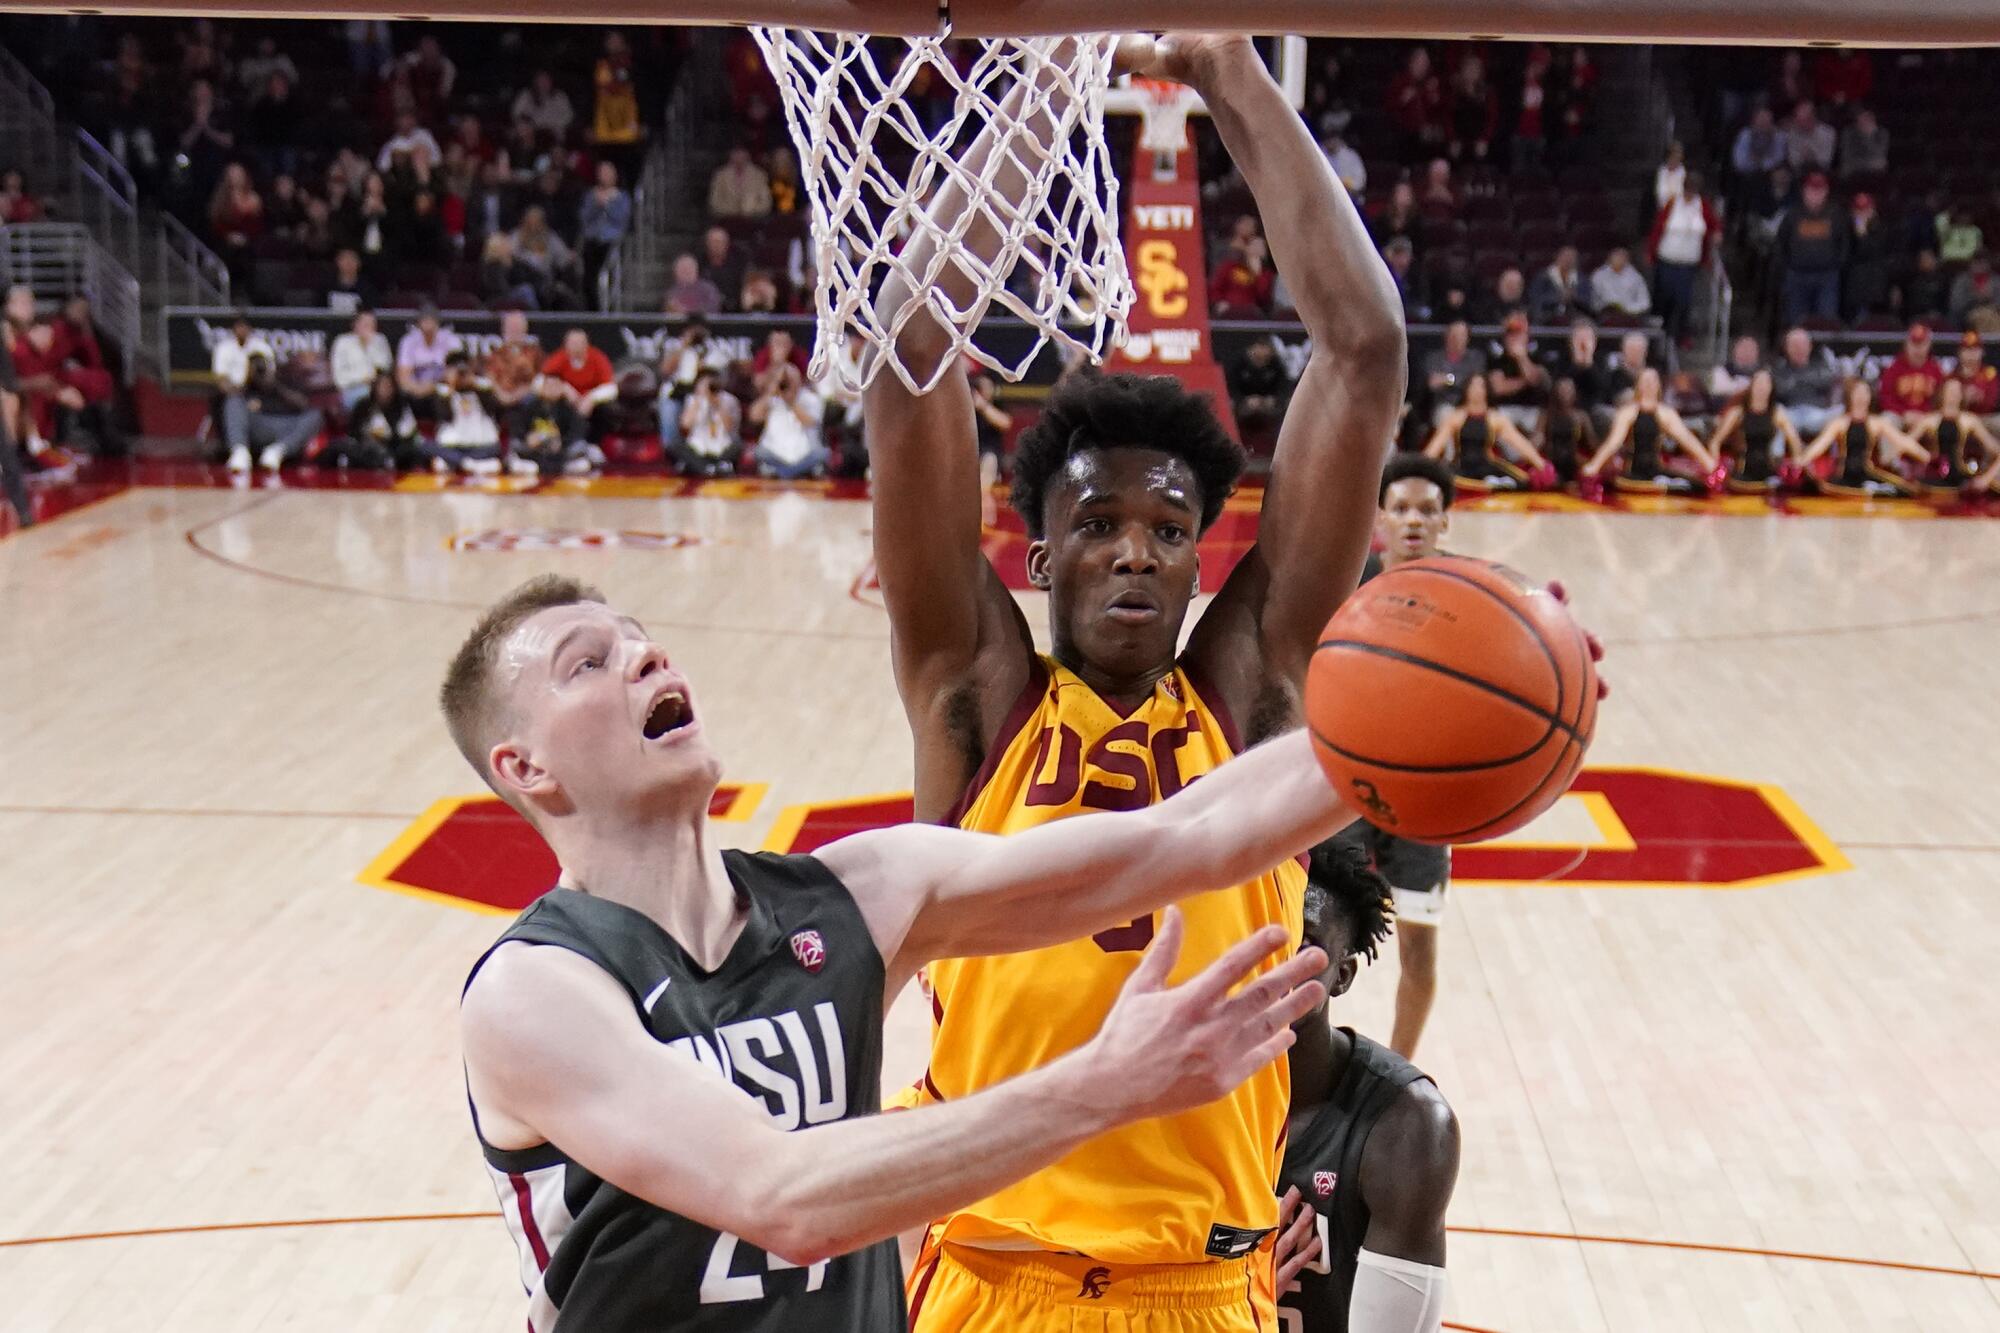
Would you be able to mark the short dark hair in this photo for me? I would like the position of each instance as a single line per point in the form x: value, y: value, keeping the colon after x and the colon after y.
x: 467, y: 694
x: 1432, y: 470
x: 1093, y: 410
x: 1345, y: 891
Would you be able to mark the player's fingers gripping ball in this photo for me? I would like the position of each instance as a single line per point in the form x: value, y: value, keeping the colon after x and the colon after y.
x: 1451, y: 700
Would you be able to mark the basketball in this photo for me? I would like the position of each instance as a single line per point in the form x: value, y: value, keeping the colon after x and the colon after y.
x: 1451, y: 700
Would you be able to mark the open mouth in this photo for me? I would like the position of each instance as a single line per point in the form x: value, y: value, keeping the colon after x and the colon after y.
x: 670, y: 712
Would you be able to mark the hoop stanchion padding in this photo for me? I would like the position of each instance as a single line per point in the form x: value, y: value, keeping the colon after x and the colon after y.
x: 879, y: 138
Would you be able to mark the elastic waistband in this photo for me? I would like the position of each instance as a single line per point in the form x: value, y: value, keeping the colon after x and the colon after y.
x: 1067, y: 1279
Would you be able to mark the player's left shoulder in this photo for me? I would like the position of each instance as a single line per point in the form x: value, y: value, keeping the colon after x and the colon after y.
x: 1413, y: 1148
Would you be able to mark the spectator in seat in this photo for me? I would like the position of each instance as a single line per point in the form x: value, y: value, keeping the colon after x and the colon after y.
x: 1241, y: 288
x: 351, y: 289
x: 1241, y: 232
x: 1843, y: 78
x: 790, y: 413
x: 489, y: 208
x: 1809, y: 142
x: 1346, y: 163
x: 583, y: 371
x: 1685, y: 232
x: 1509, y: 294
x: 1622, y: 377
x: 991, y: 423
x: 1560, y: 292
x: 1619, y: 288
x: 17, y: 202
x: 1576, y: 361
x: 206, y: 140
x: 360, y: 357
x: 1400, y: 257
x: 1864, y: 146
x: 1399, y: 219
x: 230, y: 360
x: 844, y: 419
x: 1981, y: 381
x: 722, y: 263
x: 1519, y: 386
x: 1531, y: 116
x: 1417, y: 106
x: 1974, y: 289
x: 681, y: 364
x: 468, y: 433
x: 1449, y: 368
x: 430, y: 76
x: 1576, y: 76
x: 1811, y: 251
x: 1454, y: 304
x: 691, y: 293
x: 787, y: 190
x: 285, y: 210
x: 512, y: 369
x: 421, y: 357
x: 13, y: 466
x: 1732, y: 376
x: 374, y: 229
x: 269, y: 416
x: 409, y: 139
x: 739, y: 188
x: 1870, y: 255
x: 506, y: 279
x: 711, y: 428
x: 1959, y: 237
x: 420, y: 240
x: 1259, y: 386
x: 550, y: 434
x: 1669, y: 176
x: 1438, y: 190
x: 614, y: 125
x: 760, y: 293
x: 235, y: 218
x: 779, y: 349
x: 1760, y: 146
x: 606, y: 217
x: 1807, y: 382
x: 1909, y: 383
x: 381, y: 431
x: 275, y: 124
x: 1923, y: 293
x: 554, y: 263
x: 253, y: 70
x: 544, y: 106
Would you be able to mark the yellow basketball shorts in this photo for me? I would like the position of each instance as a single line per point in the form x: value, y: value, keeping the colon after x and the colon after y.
x: 962, y: 1289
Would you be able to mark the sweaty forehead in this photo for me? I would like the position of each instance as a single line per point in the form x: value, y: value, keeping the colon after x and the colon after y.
x: 536, y: 640
x: 1092, y: 476
x: 1412, y: 491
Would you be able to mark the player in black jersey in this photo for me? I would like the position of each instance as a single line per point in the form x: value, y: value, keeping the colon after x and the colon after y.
x: 1415, y: 510
x: 638, y: 1043
x: 1372, y: 1147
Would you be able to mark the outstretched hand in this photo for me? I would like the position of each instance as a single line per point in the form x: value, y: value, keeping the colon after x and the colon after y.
x: 1298, y: 1236
x: 1166, y: 1049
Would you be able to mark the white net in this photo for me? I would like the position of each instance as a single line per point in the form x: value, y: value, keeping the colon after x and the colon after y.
x: 886, y: 128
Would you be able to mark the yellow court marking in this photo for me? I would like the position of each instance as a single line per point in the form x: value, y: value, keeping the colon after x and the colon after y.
x: 1612, y: 834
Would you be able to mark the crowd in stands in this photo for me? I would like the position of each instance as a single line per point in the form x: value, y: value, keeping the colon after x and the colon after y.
x: 431, y: 403
x: 471, y: 165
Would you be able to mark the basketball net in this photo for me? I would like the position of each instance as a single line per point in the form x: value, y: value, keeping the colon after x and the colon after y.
x: 878, y: 137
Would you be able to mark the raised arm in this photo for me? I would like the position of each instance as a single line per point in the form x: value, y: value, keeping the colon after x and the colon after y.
x: 1512, y: 440
x: 932, y: 892
x: 1824, y: 440
x: 1439, y: 444
x: 1319, y: 501
x: 1725, y: 427
x: 554, y: 1052
x: 1677, y: 430
x: 1614, y: 439
x: 946, y: 606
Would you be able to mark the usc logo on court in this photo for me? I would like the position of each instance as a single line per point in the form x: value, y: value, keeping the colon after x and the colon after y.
x: 1162, y: 279
x: 1651, y: 828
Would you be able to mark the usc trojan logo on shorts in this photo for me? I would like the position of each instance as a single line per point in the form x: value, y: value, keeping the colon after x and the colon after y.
x: 1095, y: 1281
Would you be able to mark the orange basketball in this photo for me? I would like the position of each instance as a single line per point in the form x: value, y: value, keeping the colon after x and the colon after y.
x: 1451, y: 700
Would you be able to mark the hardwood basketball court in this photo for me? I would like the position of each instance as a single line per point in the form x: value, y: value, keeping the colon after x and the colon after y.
x: 233, y: 1098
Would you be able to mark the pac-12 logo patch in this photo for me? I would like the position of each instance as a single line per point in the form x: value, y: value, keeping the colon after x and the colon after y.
x: 809, y: 949
x: 1323, y: 1182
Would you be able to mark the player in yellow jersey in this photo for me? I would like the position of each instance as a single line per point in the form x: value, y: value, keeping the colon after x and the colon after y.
x: 1153, y: 1227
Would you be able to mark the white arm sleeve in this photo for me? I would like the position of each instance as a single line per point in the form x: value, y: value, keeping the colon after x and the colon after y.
x: 1395, y: 1296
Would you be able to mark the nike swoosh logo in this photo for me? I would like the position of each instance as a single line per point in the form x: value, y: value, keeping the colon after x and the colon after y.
x: 659, y: 990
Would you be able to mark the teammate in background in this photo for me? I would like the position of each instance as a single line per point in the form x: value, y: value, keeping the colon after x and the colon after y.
x: 639, y: 1041
x: 1644, y: 429
x: 1373, y: 1148
x: 1115, y: 483
x: 1468, y: 437
x: 1416, y: 496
